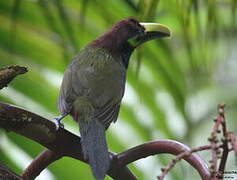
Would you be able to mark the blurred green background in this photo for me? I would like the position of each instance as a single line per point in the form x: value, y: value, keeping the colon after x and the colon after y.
x: 173, y: 85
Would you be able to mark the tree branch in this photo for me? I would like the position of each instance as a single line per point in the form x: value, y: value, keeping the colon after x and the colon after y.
x: 63, y: 143
x: 43, y: 131
x: 42, y: 161
x: 8, y: 73
x: 7, y: 174
x: 225, y: 153
x: 214, y: 141
x: 160, y: 147
x: 182, y: 156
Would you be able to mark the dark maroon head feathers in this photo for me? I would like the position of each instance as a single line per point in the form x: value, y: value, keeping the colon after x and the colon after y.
x: 115, y: 40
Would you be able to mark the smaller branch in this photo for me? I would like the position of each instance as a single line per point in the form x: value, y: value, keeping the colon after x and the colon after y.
x: 228, y: 139
x: 225, y: 139
x: 215, y: 151
x: 163, y: 146
x: 44, y: 159
x: 8, y: 73
x: 214, y: 147
x: 181, y: 156
x: 7, y: 174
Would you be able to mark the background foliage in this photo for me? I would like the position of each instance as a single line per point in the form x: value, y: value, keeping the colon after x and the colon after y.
x: 173, y: 84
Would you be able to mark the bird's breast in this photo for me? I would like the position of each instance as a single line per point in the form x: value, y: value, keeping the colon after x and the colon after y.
x: 106, y: 82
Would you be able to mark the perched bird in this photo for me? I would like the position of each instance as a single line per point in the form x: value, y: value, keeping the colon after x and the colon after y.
x: 93, y: 85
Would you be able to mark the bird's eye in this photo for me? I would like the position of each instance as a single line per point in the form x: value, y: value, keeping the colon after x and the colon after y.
x: 133, y: 20
x: 135, y: 25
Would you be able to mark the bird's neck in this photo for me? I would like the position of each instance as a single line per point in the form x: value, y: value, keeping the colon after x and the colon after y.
x: 115, y: 45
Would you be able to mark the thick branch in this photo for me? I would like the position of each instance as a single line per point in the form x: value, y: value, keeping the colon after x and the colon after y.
x: 43, y: 131
x: 6, y: 173
x: 8, y: 73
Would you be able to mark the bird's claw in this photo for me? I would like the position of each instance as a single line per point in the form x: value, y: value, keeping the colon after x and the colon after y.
x: 58, y: 123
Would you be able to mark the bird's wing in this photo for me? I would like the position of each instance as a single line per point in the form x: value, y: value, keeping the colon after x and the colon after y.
x: 71, y: 87
x: 64, y: 98
x: 108, y: 114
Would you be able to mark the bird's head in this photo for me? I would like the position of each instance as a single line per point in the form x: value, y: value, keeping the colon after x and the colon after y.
x: 127, y: 34
x: 135, y: 33
x: 127, y: 29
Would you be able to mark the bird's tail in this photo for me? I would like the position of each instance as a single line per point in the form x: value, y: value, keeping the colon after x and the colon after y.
x: 94, y: 147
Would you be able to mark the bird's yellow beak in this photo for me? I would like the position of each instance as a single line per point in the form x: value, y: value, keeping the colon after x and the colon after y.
x: 157, y: 28
x: 152, y: 31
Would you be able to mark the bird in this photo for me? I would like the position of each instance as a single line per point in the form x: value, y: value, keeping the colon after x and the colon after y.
x: 94, y: 83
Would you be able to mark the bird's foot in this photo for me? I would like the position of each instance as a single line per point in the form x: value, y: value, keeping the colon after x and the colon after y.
x: 58, y: 123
